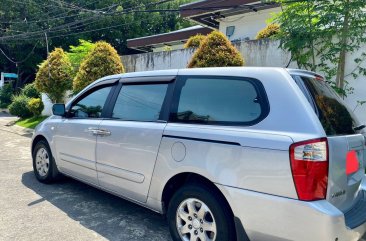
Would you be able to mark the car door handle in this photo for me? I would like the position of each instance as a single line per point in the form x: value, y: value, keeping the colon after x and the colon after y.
x: 103, y: 132
x: 99, y: 132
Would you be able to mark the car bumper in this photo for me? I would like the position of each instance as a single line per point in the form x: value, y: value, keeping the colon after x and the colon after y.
x: 271, y: 218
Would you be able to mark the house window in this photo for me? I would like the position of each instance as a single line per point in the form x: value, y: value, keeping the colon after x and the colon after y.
x: 230, y: 31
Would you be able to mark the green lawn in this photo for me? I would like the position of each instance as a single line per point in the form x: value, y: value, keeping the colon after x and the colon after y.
x: 30, y: 122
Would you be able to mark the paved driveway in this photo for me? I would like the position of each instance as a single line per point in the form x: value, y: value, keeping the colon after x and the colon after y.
x: 68, y: 210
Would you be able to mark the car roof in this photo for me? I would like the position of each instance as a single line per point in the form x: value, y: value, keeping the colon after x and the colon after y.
x: 212, y: 71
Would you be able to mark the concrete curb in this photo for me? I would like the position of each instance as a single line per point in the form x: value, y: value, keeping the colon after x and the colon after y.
x: 7, y: 123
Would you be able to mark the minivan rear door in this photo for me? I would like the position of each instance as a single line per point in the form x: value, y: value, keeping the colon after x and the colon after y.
x: 346, y: 141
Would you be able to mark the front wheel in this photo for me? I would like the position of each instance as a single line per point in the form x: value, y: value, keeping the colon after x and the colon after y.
x: 44, y: 165
x: 195, y: 213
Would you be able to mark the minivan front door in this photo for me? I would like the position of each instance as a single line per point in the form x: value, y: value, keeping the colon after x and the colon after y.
x: 128, y: 145
x: 75, y: 137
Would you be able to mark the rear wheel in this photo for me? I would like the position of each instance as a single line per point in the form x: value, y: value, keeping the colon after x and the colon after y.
x: 195, y: 213
x: 44, y: 165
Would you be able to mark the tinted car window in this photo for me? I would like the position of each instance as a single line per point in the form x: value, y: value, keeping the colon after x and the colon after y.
x: 334, y: 115
x: 217, y: 101
x: 91, y: 106
x: 140, y: 102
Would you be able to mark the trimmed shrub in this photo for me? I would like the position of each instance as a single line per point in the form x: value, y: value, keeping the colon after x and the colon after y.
x: 54, y: 76
x: 194, y: 41
x: 6, y: 93
x: 35, y: 105
x: 216, y: 51
x: 30, y: 91
x: 101, y: 61
x: 19, y: 106
x: 269, y: 31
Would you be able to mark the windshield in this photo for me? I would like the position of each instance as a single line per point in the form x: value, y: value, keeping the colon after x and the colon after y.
x: 333, y: 114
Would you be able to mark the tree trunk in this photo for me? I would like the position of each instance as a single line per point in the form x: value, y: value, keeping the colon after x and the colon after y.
x: 342, y: 55
x: 312, y: 67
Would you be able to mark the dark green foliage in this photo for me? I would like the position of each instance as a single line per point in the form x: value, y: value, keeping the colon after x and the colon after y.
x: 70, y: 20
x: 6, y: 93
x: 216, y: 51
x: 30, y: 91
x: 35, y: 105
x: 19, y: 106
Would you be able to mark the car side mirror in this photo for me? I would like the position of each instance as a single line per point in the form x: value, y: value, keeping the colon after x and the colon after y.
x: 59, y: 109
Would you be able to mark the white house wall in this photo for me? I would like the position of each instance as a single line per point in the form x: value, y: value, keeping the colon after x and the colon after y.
x: 247, y: 25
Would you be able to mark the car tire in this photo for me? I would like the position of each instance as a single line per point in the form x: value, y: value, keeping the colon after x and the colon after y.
x: 44, y: 165
x: 208, y: 215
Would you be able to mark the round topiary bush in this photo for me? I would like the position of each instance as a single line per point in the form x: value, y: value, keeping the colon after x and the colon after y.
x: 19, y: 106
x: 216, y: 51
x: 103, y: 60
x: 35, y: 105
x: 269, y: 31
x: 54, y: 76
x: 194, y: 41
x: 30, y: 91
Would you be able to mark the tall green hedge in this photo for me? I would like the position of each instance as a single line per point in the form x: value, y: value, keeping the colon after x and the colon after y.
x: 216, y: 51
x: 101, y: 61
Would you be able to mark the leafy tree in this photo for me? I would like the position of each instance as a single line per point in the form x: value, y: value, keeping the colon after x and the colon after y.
x: 101, y: 61
x: 269, y: 31
x: 328, y: 30
x: 77, y: 53
x: 216, y: 51
x: 54, y: 76
x: 194, y: 41
x: 23, y: 25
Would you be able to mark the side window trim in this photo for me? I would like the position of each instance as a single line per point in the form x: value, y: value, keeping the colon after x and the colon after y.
x: 165, y: 109
x: 265, y: 107
x: 91, y: 90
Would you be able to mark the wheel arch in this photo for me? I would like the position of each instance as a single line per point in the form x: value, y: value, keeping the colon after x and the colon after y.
x: 180, y: 179
x: 37, y: 139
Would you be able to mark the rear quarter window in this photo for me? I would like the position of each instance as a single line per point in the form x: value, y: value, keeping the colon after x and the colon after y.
x: 219, y: 101
x: 332, y: 112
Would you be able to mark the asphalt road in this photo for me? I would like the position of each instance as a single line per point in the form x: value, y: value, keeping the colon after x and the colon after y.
x: 68, y: 210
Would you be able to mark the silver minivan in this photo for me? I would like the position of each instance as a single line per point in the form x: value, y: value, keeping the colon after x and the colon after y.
x: 261, y: 154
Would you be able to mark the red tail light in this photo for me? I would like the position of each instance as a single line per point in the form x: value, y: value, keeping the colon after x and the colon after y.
x: 352, y: 164
x: 309, y: 165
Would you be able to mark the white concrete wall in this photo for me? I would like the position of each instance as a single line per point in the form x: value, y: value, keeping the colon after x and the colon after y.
x: 47, y: 111
x: 255, y: 53
x: 172, y: 47
x: 265, y: 53
x: 247, y: 25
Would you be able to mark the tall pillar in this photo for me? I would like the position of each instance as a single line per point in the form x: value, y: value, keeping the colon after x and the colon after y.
x: 2, y: 81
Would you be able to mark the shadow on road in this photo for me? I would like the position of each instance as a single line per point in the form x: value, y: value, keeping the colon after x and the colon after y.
x: 109, y: 216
